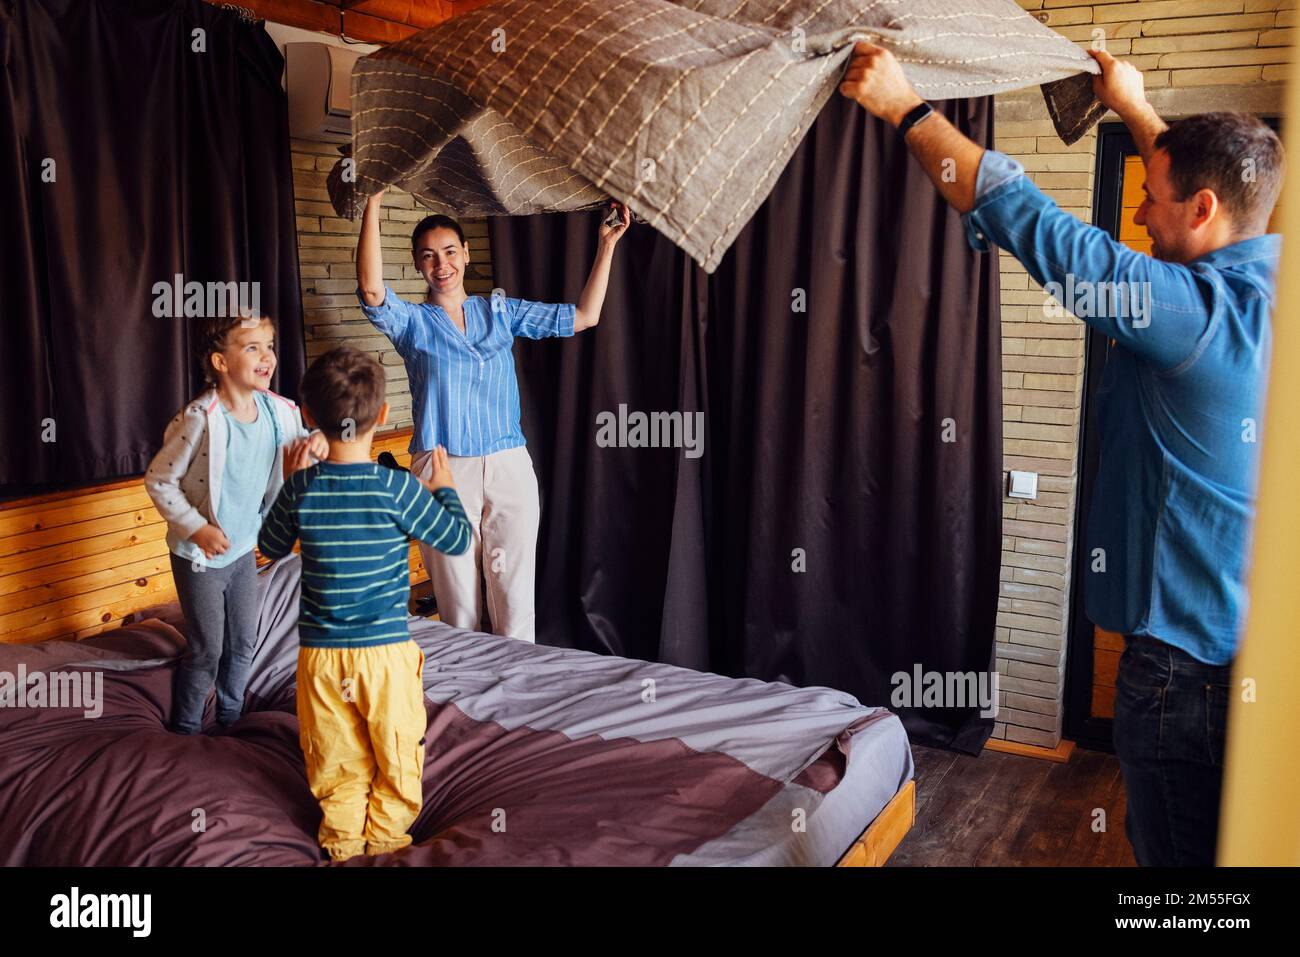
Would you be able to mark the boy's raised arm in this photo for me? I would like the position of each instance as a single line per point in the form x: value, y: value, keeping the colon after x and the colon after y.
x: 432, y: 515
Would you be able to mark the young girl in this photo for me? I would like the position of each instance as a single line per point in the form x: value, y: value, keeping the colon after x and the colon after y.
x: 223, y: 460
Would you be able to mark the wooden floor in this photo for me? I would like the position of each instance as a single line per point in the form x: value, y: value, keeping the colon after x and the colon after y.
x: 1006, y: 810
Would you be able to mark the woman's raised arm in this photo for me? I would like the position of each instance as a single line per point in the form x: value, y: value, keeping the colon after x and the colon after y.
x: 370, y: 256
x: 587, y: 313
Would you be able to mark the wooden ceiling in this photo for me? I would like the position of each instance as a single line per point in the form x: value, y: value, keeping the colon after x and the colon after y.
x: 374, y: 21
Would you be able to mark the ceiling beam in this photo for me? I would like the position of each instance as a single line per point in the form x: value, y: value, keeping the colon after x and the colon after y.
x: 372, y: 21
x: 415, y: 13
x: 325, y: 18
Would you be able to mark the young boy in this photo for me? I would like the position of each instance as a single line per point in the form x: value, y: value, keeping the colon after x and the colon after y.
x: 360, y: 688
x: 220, y: 467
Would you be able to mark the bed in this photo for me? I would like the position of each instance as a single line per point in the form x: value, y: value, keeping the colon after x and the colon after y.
x: 534, y: 756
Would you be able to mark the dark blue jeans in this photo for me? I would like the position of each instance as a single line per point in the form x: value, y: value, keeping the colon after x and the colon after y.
x: 1171, y: 716
x: 220, y: 606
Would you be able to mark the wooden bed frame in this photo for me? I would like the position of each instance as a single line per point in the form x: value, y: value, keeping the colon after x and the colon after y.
x: 74, y: 564
x: 885, y: 833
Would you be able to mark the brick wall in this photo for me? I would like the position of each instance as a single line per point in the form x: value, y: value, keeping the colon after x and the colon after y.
x: 1197, y: 55
x: 327, y: 248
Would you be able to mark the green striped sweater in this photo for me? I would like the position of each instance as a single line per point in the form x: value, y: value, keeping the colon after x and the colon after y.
x: 354, y: 521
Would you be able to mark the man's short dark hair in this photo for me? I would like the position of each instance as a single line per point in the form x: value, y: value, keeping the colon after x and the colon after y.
x: 436, y: 221
x: 1235, y: 154
x: 342, y: 388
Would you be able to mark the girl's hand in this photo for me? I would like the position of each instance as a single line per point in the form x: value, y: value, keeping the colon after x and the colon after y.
x: 609, y: 235
x: 441, y: 476
x: 212, y: 540
x: 297, y: 456
x: 318, y: 446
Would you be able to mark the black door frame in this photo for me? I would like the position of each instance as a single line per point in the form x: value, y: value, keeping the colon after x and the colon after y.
x: 1114, y: 145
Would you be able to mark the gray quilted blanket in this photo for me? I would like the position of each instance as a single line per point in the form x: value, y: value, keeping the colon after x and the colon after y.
x: 686, y: 111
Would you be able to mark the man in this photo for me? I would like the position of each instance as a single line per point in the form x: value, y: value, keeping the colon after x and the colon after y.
x: 1178, y: 410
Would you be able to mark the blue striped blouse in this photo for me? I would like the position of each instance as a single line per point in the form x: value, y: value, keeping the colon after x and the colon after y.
x: 463, y: 388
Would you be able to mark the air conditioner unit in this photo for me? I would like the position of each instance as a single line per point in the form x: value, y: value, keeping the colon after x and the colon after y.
x: 318, y: 81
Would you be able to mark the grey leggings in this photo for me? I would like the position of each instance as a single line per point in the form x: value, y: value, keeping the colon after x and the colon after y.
x: 220, y: 606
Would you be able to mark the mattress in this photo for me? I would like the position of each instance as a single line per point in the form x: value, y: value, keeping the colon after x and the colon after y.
x: 534, y: 756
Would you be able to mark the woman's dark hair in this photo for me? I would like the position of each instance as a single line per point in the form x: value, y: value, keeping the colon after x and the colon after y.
x: 436, y: 221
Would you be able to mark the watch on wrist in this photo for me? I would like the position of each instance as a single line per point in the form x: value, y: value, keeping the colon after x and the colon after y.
x: 915, y: 115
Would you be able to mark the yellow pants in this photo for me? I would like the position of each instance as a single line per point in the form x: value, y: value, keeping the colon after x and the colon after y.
x: 361, y: 726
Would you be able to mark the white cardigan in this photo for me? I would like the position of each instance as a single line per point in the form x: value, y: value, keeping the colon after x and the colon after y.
x: 184, y: 478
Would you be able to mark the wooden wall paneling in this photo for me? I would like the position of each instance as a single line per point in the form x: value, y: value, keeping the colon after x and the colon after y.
x: 74, y: 564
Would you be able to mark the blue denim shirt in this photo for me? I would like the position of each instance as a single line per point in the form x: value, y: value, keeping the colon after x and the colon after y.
x: 1177, y: 410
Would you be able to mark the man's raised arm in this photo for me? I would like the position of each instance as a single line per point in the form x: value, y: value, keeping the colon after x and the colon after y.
x: 875, y: 79
x: 1163, y: 311
x: 1120, y: 90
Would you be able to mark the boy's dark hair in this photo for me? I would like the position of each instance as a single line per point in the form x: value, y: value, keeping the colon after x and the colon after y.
x: 341, y: 388
x: 1234, y: 154
x: 214, y: 336
x: 436, y: 221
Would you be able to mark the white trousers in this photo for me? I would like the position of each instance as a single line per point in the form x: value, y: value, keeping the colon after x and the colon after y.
x: 499, y: 494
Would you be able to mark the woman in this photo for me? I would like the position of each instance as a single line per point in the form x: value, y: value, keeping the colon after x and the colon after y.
x: 462, y: 379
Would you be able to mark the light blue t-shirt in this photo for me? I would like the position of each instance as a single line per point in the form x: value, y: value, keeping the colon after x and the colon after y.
x: 250, y: 456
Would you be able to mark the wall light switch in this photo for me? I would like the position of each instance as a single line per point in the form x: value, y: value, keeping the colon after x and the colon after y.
x: 1022, y: 485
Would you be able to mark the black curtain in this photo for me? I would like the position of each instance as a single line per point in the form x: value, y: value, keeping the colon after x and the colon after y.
x: 843, y: 521
x: 166, y: 160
